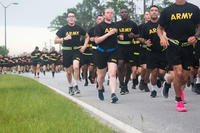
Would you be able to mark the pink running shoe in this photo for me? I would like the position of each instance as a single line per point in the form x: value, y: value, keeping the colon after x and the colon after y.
x: 180, y: 107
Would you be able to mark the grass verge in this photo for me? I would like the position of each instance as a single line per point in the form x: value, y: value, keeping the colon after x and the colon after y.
x: 27, y: 106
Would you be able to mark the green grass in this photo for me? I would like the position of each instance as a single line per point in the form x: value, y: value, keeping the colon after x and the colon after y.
x: 29, y: 107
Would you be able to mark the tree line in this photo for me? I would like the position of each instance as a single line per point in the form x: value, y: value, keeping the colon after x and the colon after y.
x: 87, y: 10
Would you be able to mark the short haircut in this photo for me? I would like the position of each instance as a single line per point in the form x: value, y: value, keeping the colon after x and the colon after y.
x: 71, y: 13
x: 153, y: 6
x: 124, y: 9
x: 99, y: 16
x: 106, y: 9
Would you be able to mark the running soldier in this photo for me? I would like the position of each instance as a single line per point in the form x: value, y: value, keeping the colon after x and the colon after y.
x: 69, y: 36
x: 179, y: 21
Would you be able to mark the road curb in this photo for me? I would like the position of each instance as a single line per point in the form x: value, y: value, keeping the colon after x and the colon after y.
x: 111, y: 120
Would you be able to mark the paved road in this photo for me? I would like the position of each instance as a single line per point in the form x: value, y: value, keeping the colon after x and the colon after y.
x: 137, y: 109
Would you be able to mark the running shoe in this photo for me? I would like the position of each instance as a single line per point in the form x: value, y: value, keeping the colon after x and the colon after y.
x: 114, y: 98
x: 165, y: 90
x: 153, y: 94
x: 71, y: 91
x: 100, y: 95
x: 76, y: 90
x: 180, y: 107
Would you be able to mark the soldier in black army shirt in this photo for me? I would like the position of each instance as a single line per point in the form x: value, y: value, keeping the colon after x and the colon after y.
x: 179, y: 21
x: 69, y: 36
x: 156, y: 59
x: 107, y: 54
x: 35, y: 56
x: 53, y: 60
x: 143, y: 57
x: 89, y: 56
x: 127, y: 29
x: 44, y: 60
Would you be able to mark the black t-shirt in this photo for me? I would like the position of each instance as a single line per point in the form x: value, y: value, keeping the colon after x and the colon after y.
x: 54, y: 55
x: 1, y: 60
x: 5, y: 59
x: 91, y: 34
x: 141, y: 29
x: 127, y: 27
x: 150, y: 32
x: 180, y: 21
x: 44, y: 55
x: 102, y: 29
x: 75, y: 31
x: 89, y: 48
x: 13, y: 60
x: 36, y: 54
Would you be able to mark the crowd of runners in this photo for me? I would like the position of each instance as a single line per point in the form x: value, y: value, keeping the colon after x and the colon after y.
x: 164, y: 52
x: 35, y: 62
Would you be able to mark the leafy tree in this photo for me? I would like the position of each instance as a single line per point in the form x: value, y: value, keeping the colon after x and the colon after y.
x: 3, y: 51
x: 87, y: 10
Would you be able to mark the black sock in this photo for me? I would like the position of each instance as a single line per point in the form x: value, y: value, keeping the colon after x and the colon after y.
x: 126, y: 82
x: 121, y: 83
x: 167, y: 85
x: 35, y: 73
x: 53, y: 73
x: 38, y: 74
x: 178, y: 99
x: 162, y: 79
x: 135, y: 81
x: 192, y: 84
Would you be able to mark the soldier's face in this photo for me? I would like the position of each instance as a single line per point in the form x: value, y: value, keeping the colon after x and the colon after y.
x: 108, y: 14
x: 99, y: 19
x: 71, y: 18
x: 154, y: 13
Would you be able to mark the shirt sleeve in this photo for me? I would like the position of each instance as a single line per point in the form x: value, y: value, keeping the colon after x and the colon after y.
x: 32, y: 54
x: 60, y: 33
x: 82, y: 31
x: 163, y: 19
x: 135, y: 29
x: 90, y: 32
x: 197, y: 16
x: 97, y: 31
x: 145, y: 32
x: 116, y: 25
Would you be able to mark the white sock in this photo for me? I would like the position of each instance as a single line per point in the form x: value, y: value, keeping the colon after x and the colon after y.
x: 153, y: 87
x: 75, y: 82
x: 166, y: 78
x: 70, y: 84
x: 198, y: 80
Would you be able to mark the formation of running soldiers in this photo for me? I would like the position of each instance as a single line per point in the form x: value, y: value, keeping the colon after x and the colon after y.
x: 164, y: 51
x: 36, y: 62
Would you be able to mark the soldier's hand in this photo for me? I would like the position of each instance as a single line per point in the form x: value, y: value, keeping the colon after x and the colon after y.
x: 121, y: 37
x: 164, y: 42
x: 132, y: 35
x: 82, y: 49
x: 111, y: 32
x: 148, y: 43
x: 68, y: 37
x: 192, y: 40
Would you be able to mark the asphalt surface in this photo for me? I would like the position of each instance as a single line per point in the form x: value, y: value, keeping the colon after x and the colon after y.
x: 138, y: 109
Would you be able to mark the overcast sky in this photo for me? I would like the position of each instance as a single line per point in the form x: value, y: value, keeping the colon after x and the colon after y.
x: 27, y: 22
